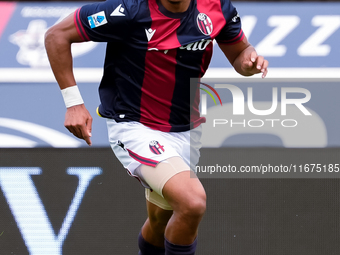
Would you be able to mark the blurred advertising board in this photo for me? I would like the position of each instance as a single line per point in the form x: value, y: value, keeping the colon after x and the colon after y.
x: 298, y: 39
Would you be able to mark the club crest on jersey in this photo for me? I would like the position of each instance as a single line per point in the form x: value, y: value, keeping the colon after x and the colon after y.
x: 97, y: 19
x: 156, y: 148
x: 204, y: 23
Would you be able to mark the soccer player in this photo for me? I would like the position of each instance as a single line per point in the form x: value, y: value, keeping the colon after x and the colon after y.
x: 154, y: 47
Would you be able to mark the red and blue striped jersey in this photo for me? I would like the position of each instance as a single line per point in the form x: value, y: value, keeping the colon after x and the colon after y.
x: 151, y: 55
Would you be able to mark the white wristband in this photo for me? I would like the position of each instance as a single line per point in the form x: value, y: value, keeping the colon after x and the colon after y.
x: 72, y: 96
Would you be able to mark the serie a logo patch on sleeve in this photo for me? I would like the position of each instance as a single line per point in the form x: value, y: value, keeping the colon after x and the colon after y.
x: 97, y: 19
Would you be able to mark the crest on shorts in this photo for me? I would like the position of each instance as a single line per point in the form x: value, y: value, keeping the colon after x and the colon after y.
x: 156, y: 148
x: 204, y: 23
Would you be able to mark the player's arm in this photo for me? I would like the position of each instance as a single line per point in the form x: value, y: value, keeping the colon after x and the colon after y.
x: 58, y: 40
x: 244, y: 58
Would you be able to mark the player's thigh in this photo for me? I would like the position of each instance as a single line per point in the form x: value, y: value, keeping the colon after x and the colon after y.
x: 173, y: 177
x: 173, y: 183
x: 156, y: 177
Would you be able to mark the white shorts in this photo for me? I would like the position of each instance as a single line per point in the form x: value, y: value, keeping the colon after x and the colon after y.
x: 135, y: 144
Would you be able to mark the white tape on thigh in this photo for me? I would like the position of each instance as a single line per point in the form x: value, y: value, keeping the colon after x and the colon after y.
x: 156, y: 177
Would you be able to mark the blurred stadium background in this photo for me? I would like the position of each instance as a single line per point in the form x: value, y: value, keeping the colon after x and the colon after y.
x: 60, y: 197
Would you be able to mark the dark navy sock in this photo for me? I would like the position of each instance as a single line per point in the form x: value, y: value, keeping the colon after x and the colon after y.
x: 174, y: 249
x: 146, y: 248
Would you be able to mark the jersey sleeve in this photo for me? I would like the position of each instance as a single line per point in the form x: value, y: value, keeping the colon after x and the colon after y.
x: 103, y: 22
x: 232, y: 32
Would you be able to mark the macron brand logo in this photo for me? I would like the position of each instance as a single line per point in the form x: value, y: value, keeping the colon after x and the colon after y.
x: 149, y: 33
x: 234, y: 19
x: 119, y: 11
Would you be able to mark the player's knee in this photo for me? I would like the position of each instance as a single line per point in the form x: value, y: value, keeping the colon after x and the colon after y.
x: 194, y: 207
x: 158, y: 224
x: 157, y: 221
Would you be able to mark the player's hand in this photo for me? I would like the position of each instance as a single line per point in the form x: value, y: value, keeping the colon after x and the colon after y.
x: 79, y: 122
x: 255, y: 64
